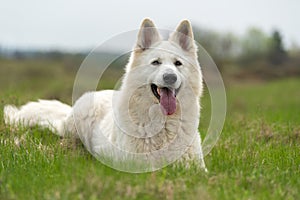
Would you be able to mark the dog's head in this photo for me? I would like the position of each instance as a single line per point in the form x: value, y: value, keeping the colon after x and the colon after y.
x: 166, y: 67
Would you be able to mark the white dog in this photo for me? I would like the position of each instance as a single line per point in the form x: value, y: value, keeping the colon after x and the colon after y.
x: 152, y: 119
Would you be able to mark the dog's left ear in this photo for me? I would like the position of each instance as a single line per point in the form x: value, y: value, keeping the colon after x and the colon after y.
x: 148, y: 35
x: 183, y: 36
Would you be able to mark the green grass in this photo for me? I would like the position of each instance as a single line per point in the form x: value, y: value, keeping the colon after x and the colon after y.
x: 257, y: 156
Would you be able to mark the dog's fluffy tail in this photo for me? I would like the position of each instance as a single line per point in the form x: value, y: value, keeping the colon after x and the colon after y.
x: 50, y: 114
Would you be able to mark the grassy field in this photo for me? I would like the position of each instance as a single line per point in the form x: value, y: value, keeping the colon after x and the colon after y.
x: 257, y: 156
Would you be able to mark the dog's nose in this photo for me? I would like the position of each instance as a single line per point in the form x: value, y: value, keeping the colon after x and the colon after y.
x: 170, y: 78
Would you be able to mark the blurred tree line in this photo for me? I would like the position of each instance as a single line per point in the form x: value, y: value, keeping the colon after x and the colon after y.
x: 255, y: 54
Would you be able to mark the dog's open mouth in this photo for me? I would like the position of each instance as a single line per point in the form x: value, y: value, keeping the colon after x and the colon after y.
x: 166, y: 97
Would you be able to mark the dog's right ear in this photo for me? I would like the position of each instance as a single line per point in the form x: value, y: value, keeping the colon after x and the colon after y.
x: 184, y: 36
x: 148, y: 35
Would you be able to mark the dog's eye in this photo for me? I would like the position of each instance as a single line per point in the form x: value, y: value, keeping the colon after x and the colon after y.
x: 177, y: 63
x: 156, y: 62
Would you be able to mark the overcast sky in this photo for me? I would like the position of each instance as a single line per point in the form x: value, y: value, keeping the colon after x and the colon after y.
x: 76, y: 25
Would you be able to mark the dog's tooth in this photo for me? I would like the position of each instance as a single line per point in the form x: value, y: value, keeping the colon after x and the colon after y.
x: 158, y: 91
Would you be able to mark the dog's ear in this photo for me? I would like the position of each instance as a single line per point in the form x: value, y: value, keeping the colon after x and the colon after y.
x: 148, y: 35
x: 183, y: 36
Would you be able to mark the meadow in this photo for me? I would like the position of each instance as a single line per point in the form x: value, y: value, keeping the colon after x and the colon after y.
x: 256, y: 157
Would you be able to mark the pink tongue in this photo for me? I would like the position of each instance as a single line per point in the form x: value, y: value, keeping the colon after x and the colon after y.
x: 167, y: 101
